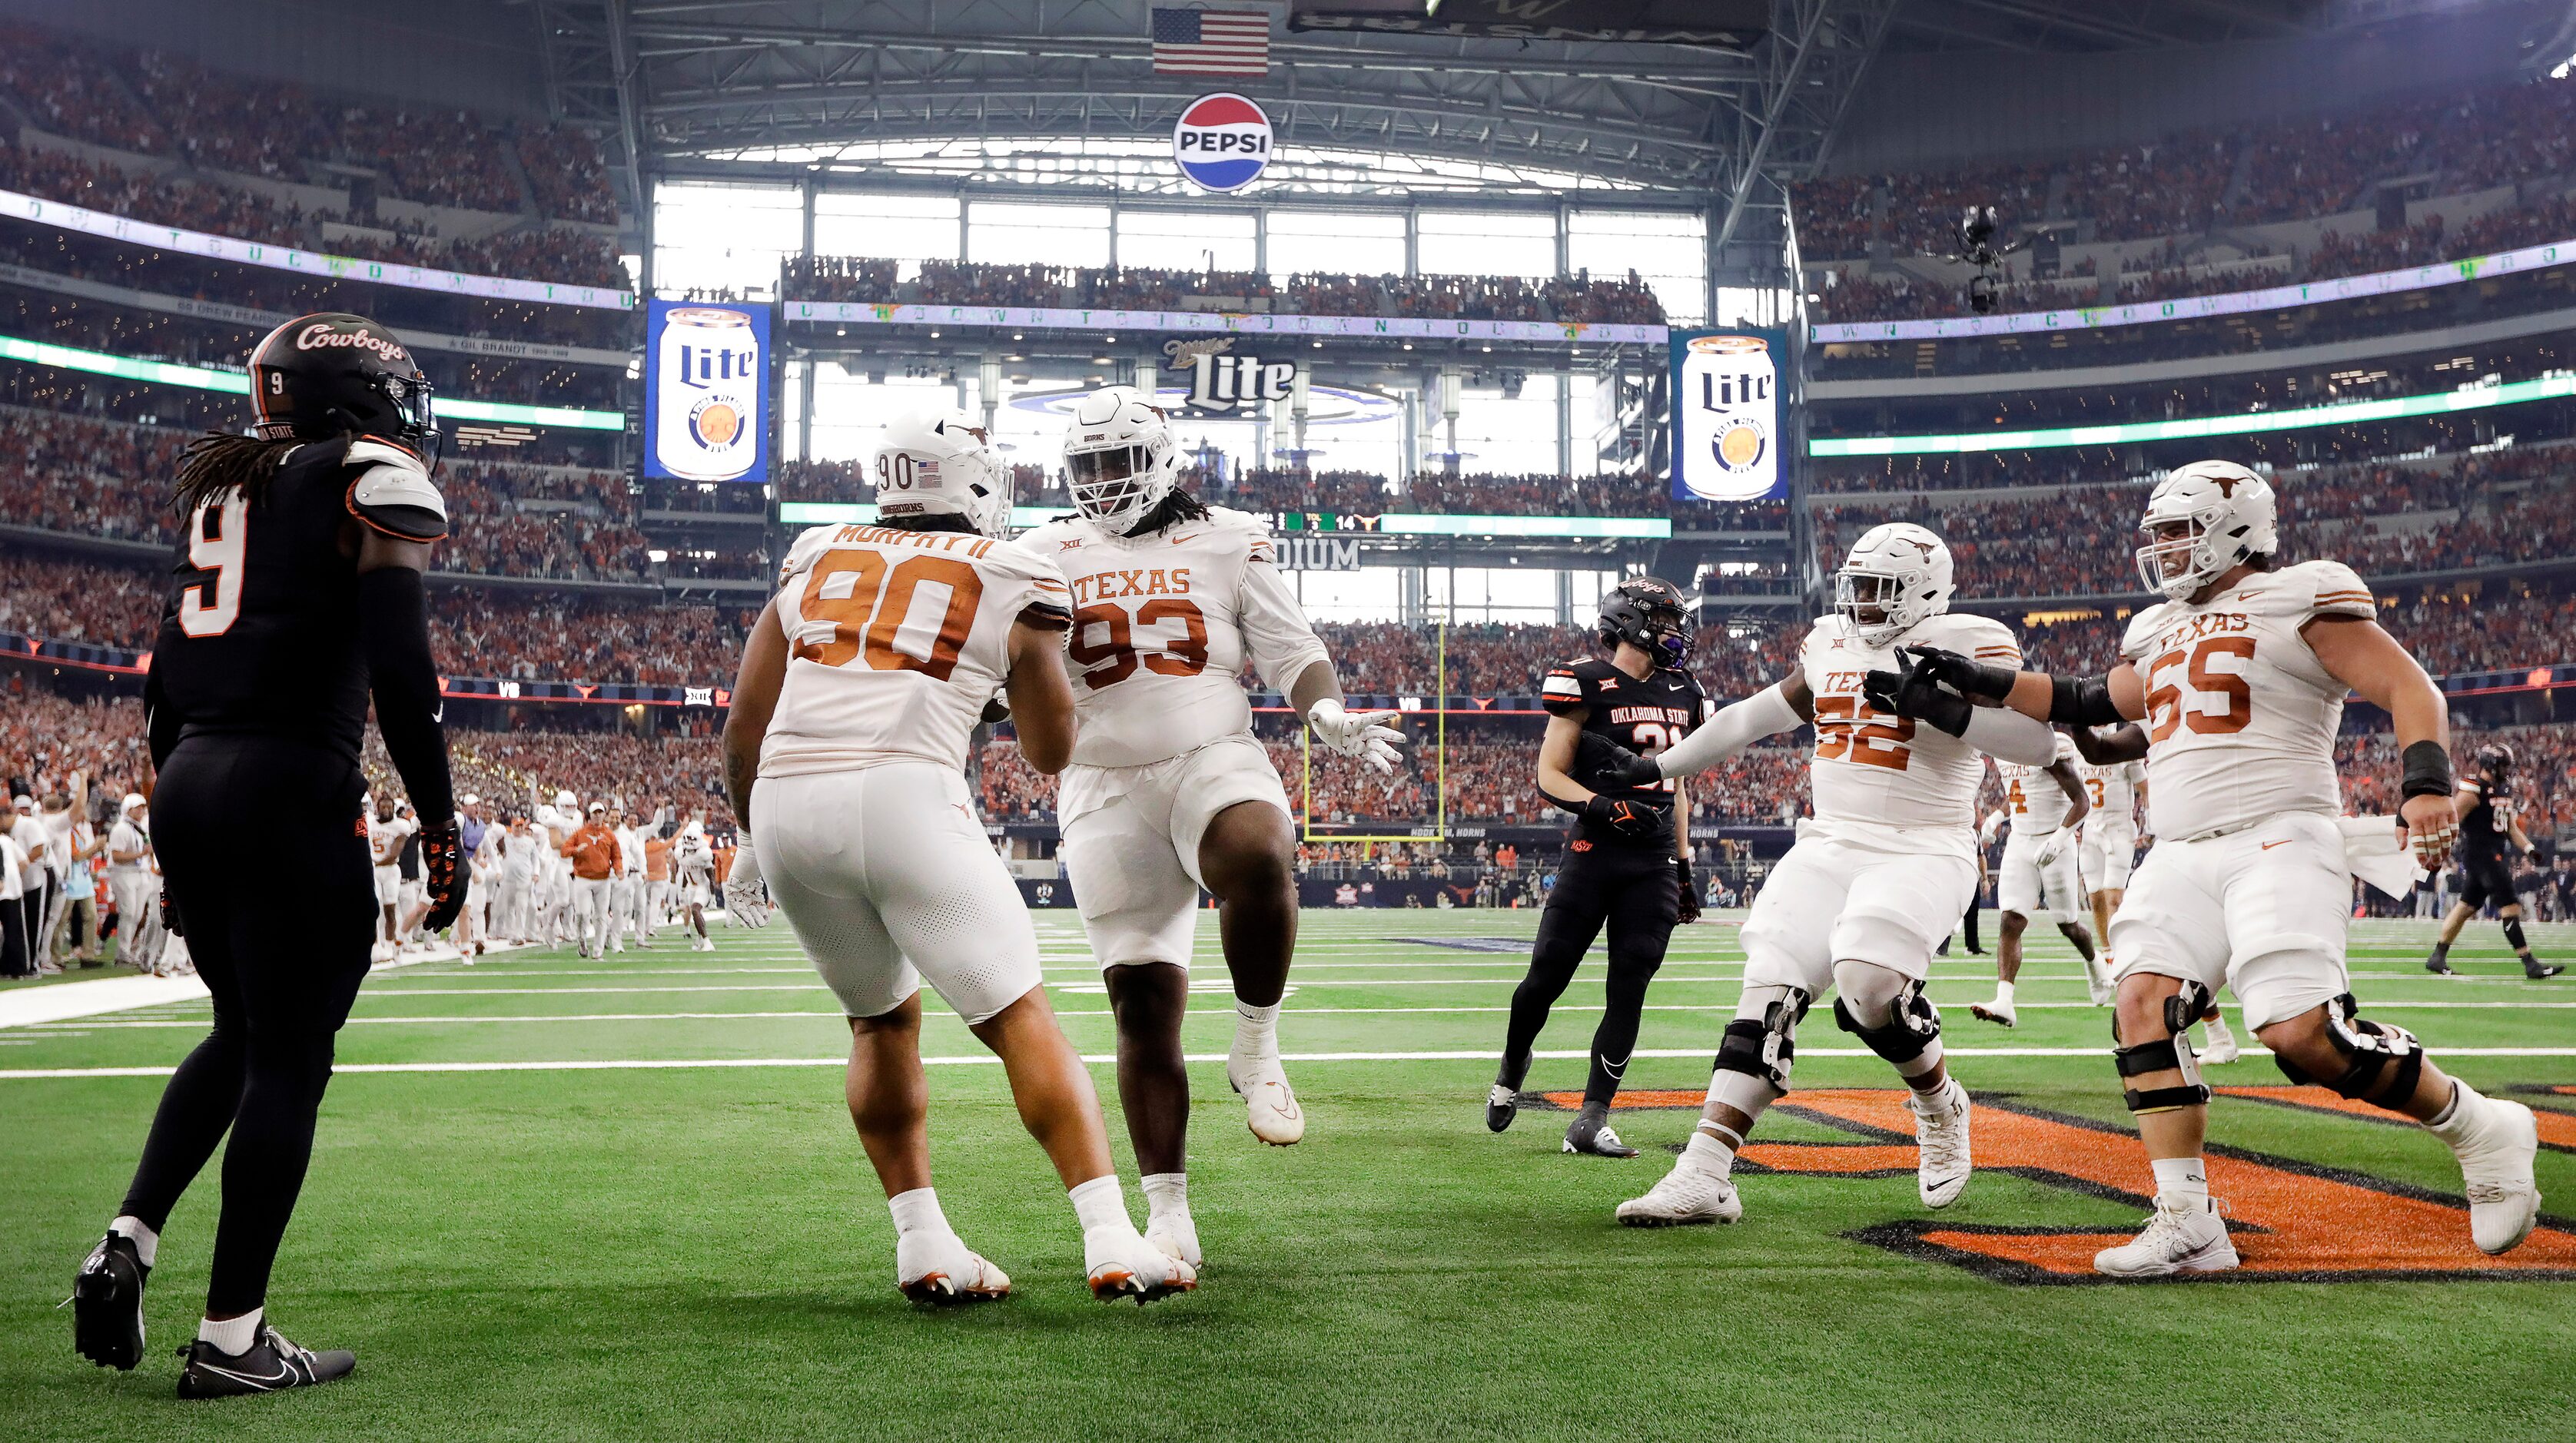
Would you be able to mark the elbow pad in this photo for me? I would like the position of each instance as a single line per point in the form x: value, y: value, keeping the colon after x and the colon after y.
x: 2084, y: 703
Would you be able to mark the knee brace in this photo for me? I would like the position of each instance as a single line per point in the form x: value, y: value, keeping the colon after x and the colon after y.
x: 1765, y: 1047
x: 2172, y: 1052
x: 2381, y: 1062
x: 2513, y: 934
x: 1905, y: 1022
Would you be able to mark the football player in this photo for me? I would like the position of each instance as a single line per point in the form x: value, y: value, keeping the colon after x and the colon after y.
x: 2115, y: 773
x: 2488, y: 823
x: 297, y: 597
x: 1168, y: 790
x: 845, y: 754
x: 693, y: 857
x: 2045, y: 805
x: 2240, y: 677
x: 1877, y: 874
x: 1627, y: 864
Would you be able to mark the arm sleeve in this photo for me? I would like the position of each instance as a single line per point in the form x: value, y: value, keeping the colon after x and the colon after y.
x: 1735, y: 727
x: 393, y: 626
x: 160, y: 724
x: 2008, y: 736
x: 1275, y: 631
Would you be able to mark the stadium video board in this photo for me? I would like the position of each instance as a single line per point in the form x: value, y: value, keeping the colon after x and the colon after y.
x: 706, y: 392
x: 1729, y: 427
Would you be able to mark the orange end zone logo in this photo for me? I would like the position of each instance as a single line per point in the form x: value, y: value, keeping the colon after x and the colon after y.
x: 2292, y: 1221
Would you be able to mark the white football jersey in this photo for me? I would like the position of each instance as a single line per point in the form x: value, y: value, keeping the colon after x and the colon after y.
x: 2241, y: 716
x: 1885, y: 781
x: 896, y: 639
x: 2032, y: 798
x: 1163, y: 625
x: 2113, y: 790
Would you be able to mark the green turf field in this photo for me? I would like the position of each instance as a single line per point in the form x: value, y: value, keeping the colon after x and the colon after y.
x: 520, y: 1248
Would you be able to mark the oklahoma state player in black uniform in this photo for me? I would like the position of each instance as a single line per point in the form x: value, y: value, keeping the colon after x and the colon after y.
x: 2488, y: 827
x: 296, y: 597
x: 1625, y: 865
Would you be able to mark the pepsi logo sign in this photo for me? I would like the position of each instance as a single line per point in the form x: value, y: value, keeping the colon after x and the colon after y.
x: 1222, y: 142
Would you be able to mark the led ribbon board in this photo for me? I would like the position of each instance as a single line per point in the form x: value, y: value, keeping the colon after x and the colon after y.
x: 889, y: 313
x: 40, y: 211
x: 225, y: 378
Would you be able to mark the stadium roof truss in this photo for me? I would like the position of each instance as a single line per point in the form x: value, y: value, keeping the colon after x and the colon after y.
x: 978, y: 90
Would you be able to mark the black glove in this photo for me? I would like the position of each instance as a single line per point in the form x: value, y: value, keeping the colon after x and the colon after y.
x: 1596, y: 757
x: 1627, y: 818
x: 1916, y: 692
x: 170, y: 913
x: 1965, y: 675
x: 442, y: 873
x: 1690, y: 893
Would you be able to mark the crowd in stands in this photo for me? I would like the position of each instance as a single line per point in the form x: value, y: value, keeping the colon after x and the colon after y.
x: 1579, y: 298
x: 158, y: 104
x: 510, y: 768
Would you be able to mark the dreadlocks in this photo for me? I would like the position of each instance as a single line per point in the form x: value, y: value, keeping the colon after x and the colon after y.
x: 1176, y: 507
x: 218, y: 462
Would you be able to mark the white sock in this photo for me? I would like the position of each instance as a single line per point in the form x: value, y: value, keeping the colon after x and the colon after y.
x: 1101, y: 1203
x: 1256, y: 1030
x: 2181, y: 1179
x: 2003, y: 993
x: 917, y: 1211
x: 2460, y: 1117
x: 147, y: 1243
x: 233, y: 1336
x: 2215, y: 1027
x: 1166, y: 1192
x: 1706, y: 1153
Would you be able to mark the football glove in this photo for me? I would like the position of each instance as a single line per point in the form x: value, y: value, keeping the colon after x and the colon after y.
x: 442, y: 873
x: 1690, y: 894
x: 1625, y: 817
x: 1961, y: 674
x: 2050, y: 846
x: 1362, y: 734
x: 1596, y: 757
x: 169, y: 914
x: 746, y: 900
x: 1917, y: 692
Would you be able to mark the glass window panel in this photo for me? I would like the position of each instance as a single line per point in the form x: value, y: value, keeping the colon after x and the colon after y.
x: 1488, y: 243
x: 1010, y: 233
x: 899, y: 227
x: 714, y: 236
x: 1336, y: 242
x: 1186, y: 241
x: 1667, y: 250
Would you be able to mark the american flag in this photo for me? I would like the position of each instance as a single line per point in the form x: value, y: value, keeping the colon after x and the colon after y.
x: 1211, y: 42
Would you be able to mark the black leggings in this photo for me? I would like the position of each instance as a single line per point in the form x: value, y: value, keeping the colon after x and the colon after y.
x: 231, y: 816
x: 1638, y: 896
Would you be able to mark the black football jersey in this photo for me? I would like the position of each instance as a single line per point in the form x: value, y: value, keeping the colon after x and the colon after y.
x: 1643, y: 716
x: 260, y: 633
x: 2486, y: 831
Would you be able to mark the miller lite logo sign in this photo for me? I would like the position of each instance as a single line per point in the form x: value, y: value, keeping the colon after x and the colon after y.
x: 1727, y: 418
x: 1223, y: 381
x: 1222, y: 142
x: 707, y: 392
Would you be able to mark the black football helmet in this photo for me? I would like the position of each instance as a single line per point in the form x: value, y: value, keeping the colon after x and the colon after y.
x: 1649, y: 612
x: 332, y: 374
x: 2495, y: 760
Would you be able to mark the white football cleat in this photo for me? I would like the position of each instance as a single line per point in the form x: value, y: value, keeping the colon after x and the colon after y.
x: 2223, y: 1048
x: 941, y: 1271
x: 2188, y: 1238
x: 1119, y: 1263
x: 1686, y: 1197
x: 1175, y: 1234
x: 1942, y: 1164
x: 1997, y: 1011
x: 1270, y: 1104
x: 2495, y: 1170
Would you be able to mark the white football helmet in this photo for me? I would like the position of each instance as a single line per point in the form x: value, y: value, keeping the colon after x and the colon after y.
x: 938, y: 464
x: 2207, y: 517
x: 1901, y: 571
x: 1121, y: 456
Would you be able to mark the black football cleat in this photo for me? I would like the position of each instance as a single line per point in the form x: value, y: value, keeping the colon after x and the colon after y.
x: 107, y: 1304
x: 2439, y: 964
x: 1590, y: 1133
x: 1501, y: 1106
x: 271, y: 1365
x: 2536, y: 969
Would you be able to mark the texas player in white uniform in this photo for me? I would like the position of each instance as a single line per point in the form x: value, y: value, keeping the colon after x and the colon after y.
x: 845, y: 753
x: 1169, y: 791
x: 2115, y: 773
x: 2240, y: 677
x: 1878, y: 874
x: 2044, y: 804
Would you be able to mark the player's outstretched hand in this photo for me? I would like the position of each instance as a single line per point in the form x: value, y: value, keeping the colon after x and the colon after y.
x: 1362, y: 734
x: 1916, y: 691
x: 442, y: 872
x: 1597, y: 758
x: 1625, y: 817
x: 1964, y: 675
x: 746, y: 900
x: 2431, y: 828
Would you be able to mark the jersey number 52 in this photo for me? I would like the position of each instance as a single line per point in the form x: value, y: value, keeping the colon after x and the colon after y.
x: 1849, y: 729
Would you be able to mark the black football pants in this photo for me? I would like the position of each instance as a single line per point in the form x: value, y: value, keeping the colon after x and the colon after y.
x: 266, y: 862
x: 1635, y: 893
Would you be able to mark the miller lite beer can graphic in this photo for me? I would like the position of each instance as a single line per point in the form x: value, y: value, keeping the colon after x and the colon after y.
x: 708, y: 369
x: 1729, y: 448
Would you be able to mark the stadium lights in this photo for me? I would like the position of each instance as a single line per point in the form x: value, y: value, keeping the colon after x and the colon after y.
x: 2394, y: 408
x: 225, y: 378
